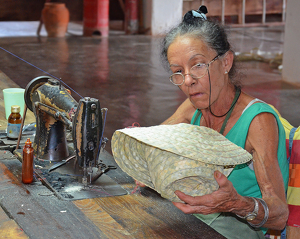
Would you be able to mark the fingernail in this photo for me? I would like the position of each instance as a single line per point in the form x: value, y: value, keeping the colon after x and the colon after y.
x: 218, y: 174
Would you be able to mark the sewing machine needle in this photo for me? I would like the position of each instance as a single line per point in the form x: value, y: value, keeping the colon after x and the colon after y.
x: 57, y: 165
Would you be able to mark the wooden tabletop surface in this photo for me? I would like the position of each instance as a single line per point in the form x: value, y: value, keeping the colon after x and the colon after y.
x: 31, y: 210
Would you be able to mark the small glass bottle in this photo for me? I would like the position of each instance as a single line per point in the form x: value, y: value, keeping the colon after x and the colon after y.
x: 14, y: 122
x: 27, y: 164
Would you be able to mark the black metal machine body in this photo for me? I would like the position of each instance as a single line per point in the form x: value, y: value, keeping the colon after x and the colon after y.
x: 86, y: 132
x: 57, y: 112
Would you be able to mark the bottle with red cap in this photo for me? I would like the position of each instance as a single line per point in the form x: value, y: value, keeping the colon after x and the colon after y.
x: 27, y: 164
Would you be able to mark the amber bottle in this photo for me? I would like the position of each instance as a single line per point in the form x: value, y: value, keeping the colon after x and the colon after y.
x: 14, y: 122
x: 27, y: 165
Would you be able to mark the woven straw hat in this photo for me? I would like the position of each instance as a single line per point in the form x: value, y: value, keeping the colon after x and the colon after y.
x: 181, y: 157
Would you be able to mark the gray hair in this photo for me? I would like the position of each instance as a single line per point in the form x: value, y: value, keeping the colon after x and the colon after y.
x: 210, y: 32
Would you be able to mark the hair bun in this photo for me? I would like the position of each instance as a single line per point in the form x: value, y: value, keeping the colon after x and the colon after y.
x: 199, y: 14
x: 203, y: 9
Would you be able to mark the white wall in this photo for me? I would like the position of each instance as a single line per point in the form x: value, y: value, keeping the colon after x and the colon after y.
x: 165, y: 14
x: 291, y: 48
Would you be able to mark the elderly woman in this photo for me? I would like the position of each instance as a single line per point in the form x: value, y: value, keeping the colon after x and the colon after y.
x: 252, y: 198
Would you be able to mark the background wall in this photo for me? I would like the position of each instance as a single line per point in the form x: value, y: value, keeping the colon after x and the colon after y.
x: 30, y: 10
x: 19, y: 10
x: 291, y: 56
x: 165, y: 14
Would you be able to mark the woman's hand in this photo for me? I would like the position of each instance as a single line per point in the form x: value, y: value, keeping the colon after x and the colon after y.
x: 139, y: 183
x: 225, y: 199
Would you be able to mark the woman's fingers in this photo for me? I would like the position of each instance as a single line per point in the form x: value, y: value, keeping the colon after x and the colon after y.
x: 139, y: 183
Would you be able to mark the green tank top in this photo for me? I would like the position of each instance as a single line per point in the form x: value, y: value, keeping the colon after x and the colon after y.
x: 243, y: 177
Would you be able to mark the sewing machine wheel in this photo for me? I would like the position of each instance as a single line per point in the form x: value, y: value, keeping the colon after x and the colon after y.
x: 32, y: 86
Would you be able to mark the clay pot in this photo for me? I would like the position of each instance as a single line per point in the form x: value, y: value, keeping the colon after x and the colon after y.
x: 56, y: 19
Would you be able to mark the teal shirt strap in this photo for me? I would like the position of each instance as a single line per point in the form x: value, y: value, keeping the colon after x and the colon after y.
x: 196, y: 119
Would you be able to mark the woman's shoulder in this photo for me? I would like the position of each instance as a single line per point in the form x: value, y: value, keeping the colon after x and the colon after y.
x: 252, y: 105
x: 252, y: 109
x: 256, y: 115
x: 258, y: 106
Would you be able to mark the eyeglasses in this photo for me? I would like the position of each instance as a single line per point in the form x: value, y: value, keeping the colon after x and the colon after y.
x: 196, y: 72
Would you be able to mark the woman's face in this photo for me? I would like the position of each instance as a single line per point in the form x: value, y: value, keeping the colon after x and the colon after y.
x: 184, y: 53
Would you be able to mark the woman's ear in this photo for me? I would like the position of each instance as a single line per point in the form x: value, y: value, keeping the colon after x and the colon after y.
x: 227, y: 61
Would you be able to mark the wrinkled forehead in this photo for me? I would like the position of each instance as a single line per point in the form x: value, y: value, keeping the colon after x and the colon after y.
x: 189, y: 44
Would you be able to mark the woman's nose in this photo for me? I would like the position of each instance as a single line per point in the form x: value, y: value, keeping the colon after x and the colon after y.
x: 189, y: 80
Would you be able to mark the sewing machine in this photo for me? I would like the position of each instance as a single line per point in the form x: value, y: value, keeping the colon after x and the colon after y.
x: 58, y: 113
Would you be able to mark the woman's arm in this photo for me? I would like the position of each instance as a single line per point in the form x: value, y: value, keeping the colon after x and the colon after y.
x: 262, y: 142
x: 183, y: 114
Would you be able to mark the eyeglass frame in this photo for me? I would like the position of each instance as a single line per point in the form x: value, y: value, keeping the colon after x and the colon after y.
x: 194, y: 77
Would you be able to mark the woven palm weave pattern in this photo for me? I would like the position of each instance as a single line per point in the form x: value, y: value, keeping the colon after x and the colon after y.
x: 176, y: 157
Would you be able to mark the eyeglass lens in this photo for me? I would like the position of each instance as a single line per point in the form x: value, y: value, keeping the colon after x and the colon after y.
x: 197, y: 71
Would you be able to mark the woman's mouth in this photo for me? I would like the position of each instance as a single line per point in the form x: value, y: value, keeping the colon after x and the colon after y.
x: 196, y: 95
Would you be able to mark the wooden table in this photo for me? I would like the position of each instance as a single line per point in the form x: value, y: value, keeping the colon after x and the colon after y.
x: 33, y: 211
